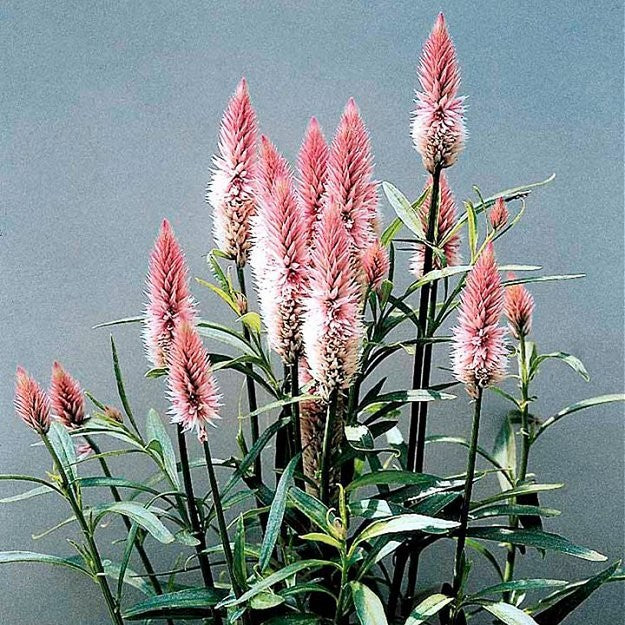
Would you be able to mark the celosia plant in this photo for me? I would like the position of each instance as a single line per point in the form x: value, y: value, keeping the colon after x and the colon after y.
x: 322, y: 516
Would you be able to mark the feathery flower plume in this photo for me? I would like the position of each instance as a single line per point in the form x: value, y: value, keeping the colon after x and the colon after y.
x: 518, y: 307
x: 438, y: 131
x: 31, y: 402
x: 169, y: 298
x: 230, y: 190
x: 312, y: 164
x: 68, y: 402
x: 281, y: 289
x: 332, y: 326
x: 349, y: 186
x: 499, y: 214
x: 446, y: 221
x: 375, y: 264
x: 479, y: 354
x: 192, y: 390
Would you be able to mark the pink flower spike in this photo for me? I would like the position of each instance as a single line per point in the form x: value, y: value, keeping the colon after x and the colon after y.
x: 349, y: 186
x: 332, y: 324
x: 519, y: 306
x: 31, y: 402
x: 312, y: 164
x: 438, y: 131
x: 375, y: 264
x: 230, y: 190
x: 68, y: 402
x: 192, y: 390
x: 479, y: 352
x: 169, y: 298
x: 446, y: 222
x: 499, y: 214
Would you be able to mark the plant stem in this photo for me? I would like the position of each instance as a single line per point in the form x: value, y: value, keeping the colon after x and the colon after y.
x: 468, y: 488
x: 297, y: 433
x: 98, y: 567
x: 326, y: 452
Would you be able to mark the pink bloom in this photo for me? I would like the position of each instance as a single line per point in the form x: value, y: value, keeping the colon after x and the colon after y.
x: 349, y: 186
x: 438, y: 131
x: 519, y: 306
x: 67, y: 398
x: 169, y: 298
x: 446, y: 222
x: 83, y: 450
x: 192, y: 391
x: 499, y: 214
x: 281, y: 289
x: 332, y: 325
x: 31, y: 402
x: 230, y: 191
x: 375, y: 264
x: 479, y: 352
x: 312, y: 164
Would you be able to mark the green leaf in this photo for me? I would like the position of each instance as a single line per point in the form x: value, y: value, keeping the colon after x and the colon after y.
x: 404, y: 478
x: 472, y: 223
x: 10, y: 557
x: 520, y: 585
x: 116, y: 482
x: 523, y: 489
x: 504, y: 452
x: 123, y: 566
x: 391, y: 231
x: 509, y: 614
x: 266, y: 601
x: 535, y: 538
x: 131, y: 578
x: 276, y: 514
x: 121, y: 390
x: 572, y: 361
x: 140, y: 515
x: 239, y: 563
x: 404, y: 210
x: 359, y: 437
x: 428, y: 607
x: 188, y: 603
x: 404, y: 397
x: 64, y: 448
x: 294, y: 619
x: 224, y: 295
x: 557, y: 278
x: 375, y: 508
x: 252, y: 321
x: 512, y: 510
x: 320, y: 537
x: 316, y: 511
x: 226, y: 336
x: 29, y: 494
x: 119, y: 322
x: 405, y: 523
x: 159, y: 439
x: 369, y: 608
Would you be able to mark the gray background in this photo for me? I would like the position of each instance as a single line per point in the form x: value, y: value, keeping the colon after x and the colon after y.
x: 109, y: 116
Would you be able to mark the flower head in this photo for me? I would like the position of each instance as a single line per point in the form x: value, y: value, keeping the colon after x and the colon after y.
x: 446, y: 222
x: 438, y: 131
x: 31, y: 402
x: 499, y: 214
x: 192, y: 391
x: 375, y: 264
x: 519, y: 306
x: 169, y: 298
x: 349, y: 186
x: 67, y: 398
x: 281, y: 289
x: 230, y: 191
x: 332, y: 324
x: 479, y: 354
x: 312, y: 164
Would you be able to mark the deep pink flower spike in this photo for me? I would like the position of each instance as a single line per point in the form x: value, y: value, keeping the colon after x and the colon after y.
x: 438, y: 131
x: 375, y: 264
x: 519, y: 306
x: 31, y: 402
x: 68, y: 402
x: 499, y: 214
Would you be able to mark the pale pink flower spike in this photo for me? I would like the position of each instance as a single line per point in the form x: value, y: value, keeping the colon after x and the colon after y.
x: 499, y: 214
x: 479, y: 351
x: 68, y: 402
x: 31, y: 402
x: 230, y: 190
x: 438, y: 131
x: 169, y: 298
x: 519, y: 306
x: 375, y: 265
x: 192, y: 390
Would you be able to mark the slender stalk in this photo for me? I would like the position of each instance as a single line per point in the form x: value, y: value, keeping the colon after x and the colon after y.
x: 326, y: 452
x: 96, y: 564
x: 297, y: 433
x: 398, y: 577
x: 468, y: 488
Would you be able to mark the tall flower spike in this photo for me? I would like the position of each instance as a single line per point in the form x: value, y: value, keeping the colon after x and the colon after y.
x: 230, y: 190
x: 169, y: 298
x: 192, y: 391
x: 349, y: 186
x: 281, y: 289
x: 332, y: 325
x: 438, y: 131
x: 31, y: 402
x: 519, y: 306
x: 67, y: 398
x: 479, y: 353
x: 375, y: 264
x: 446, y: 222
x: 312, y: 162
x: 499, y: 214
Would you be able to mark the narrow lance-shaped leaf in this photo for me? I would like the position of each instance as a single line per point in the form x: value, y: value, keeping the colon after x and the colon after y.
x: 427, y: 608
x: 509, y: 614
x: 369, y: 608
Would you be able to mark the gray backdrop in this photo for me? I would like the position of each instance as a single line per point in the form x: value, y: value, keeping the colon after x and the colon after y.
x: 109, y: 118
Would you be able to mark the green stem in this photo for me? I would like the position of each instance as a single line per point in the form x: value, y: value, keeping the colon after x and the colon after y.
x: 326, y: 452
x: 294, y: 375
x: 97, y: 566
x: 468, y: 488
